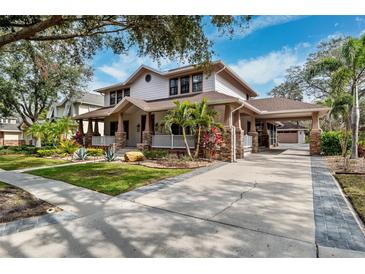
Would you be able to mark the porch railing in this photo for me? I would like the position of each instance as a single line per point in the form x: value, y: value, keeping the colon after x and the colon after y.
x: 172, y: 141
x: 247, y: 141
x: 102, y: 140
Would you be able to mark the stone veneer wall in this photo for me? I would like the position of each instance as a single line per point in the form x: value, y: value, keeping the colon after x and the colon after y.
x: 315, y: 142
x: 88, y: 139
x: 147, y: 138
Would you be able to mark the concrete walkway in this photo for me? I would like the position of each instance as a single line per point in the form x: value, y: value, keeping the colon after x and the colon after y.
x: 259, y: 207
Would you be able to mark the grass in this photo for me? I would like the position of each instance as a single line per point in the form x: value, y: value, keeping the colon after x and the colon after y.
x: 11, y: 162
x: 354, y: 188
x: 108, y: 178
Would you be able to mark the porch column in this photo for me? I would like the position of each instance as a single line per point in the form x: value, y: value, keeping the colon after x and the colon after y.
x: 120, y: 135
x: 89, y: 134
x: 315, y: 135
x: 96, y: 128
x: 255, y: 135
x: 81, y: 127
x: 227, y: 115
x: 147, y: 134
x: 239, y: 135
x: 266, y: 135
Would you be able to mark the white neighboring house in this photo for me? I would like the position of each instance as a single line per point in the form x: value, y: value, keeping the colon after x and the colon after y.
x: 83, y: 103
x: 10, y: 132
x: 291, y: 133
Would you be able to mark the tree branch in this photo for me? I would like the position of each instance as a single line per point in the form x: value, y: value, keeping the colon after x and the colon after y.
x: 30, y: 31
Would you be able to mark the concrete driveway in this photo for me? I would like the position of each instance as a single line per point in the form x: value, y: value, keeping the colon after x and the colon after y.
x: 259, y: 207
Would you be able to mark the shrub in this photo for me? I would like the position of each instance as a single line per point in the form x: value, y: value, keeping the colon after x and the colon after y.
x: 68, y: 146
x: 95, y: 151
x: 361, y: 149
x: 155, y: 154
x: 49, y: 152
x: 5, y: 151
x: 331, y: 143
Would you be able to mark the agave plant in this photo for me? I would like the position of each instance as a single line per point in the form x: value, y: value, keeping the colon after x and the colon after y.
x: 80, y: 154
x: 110, y: 154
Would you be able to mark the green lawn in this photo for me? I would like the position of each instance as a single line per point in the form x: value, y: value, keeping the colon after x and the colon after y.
x: 108, y: 178
x: 354, y: 188
x: 11, y: 162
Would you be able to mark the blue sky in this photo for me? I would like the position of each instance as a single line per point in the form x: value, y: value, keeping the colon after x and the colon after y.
x: 260, y: 55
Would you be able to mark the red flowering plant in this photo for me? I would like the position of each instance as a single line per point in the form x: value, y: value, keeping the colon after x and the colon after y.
x: 78, y: 137
x: 213, y: 141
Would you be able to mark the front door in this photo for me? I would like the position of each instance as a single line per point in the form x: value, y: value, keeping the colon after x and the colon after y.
x: 113, y: 128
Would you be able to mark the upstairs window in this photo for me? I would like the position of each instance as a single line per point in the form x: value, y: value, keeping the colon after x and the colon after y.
x: 184, y: 84
x: 119, y: 96
x: 173, y: 86
x: 127, y: 92
x: 198, y: 82
x: 112, y: 97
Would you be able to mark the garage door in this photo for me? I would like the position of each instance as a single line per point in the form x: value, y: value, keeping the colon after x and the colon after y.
x: 288, y: 137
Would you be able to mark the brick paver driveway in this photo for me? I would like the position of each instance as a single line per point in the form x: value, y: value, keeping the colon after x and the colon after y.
x: 259, y: 207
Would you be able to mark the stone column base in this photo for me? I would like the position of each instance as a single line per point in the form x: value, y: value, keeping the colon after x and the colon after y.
x: 239, y: 144
x: 315, y: 143
x: 255, y: 141
x: 120, y: 139
x: 226, y: 153
x: 88, y: 139
x: 147, y: 138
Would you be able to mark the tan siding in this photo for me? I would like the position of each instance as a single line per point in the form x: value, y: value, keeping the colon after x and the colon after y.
x: 223, y: 86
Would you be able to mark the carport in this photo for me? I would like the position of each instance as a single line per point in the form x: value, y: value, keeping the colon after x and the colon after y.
x: 272, y: 110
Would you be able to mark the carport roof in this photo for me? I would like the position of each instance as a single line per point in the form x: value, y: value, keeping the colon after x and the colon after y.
x: 280, y: 104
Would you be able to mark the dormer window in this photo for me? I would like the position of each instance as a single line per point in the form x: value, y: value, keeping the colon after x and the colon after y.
x: 174, y: 86
x: 112, y: 97
x: 127, y: 92
x: 184, y: 84
x: 198, y: 82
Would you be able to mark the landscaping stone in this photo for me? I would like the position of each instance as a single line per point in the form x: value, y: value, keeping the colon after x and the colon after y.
x: 133, y: 156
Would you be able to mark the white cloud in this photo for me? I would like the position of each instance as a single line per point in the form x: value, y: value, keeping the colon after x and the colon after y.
x: 336, y: 24
x: 262, y: 22
x: 270, y: 68
x: 125, y: 65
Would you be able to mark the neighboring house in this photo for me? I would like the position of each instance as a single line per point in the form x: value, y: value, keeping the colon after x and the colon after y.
x: 80, y: 104
x: 10, y: 132
x: 133, y: 110
x: 291, y: 133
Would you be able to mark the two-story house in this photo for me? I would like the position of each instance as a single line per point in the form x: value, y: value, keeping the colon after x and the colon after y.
x: 133, y: 110
x: 10, y: 132
x: 79, y: 104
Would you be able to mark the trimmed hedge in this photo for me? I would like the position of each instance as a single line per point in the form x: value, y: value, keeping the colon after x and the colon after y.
x: 95, y: 151
x: 331, y: 143
x: 155, y: 154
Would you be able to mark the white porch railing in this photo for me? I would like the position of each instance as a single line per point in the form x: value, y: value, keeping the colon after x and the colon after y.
x: 172, y: 141
x: 103, y: 140
x: 247, y: 141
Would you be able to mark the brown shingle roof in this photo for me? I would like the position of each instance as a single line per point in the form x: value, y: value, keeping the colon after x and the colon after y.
x: 281, y: 104
x: 213, y: 98
x: 288, y: 125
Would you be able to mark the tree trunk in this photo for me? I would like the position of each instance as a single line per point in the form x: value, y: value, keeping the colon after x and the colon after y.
x: 355, y: 121
x: 186, y: 144
x: 38, y: 142
x: 198, y: 143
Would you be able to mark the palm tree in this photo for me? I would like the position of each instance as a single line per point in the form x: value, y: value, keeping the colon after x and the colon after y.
x: 37, y: 130
x: 63, y: 127
x: 346, y: 72
x: 181, y: 115
x: 204, y: 119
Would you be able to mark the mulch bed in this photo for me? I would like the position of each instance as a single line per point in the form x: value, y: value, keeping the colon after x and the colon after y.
x: 15, y: 203
x: 176, y: 164
x: 337, y: 165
